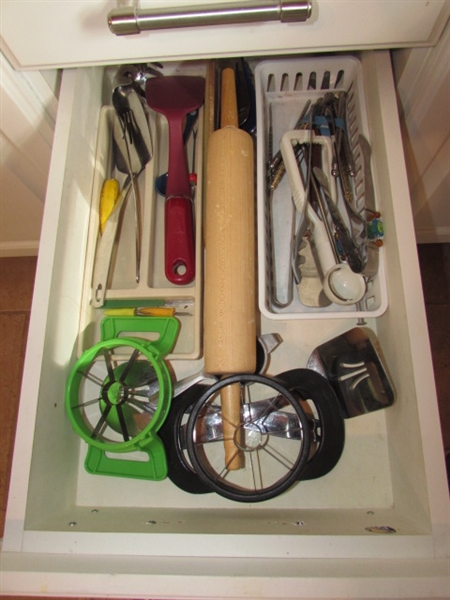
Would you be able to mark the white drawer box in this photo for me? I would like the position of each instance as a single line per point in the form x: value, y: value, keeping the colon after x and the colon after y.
x: 391, y: 473
x: 68, y: 532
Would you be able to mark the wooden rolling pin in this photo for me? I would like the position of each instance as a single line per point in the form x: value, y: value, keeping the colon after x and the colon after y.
x: 230, y: 302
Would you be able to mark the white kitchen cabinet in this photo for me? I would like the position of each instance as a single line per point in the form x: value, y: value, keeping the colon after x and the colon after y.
x: 28, y: 114
x: 425, y: 127
x: 76, y: 33
x: 68, y: 532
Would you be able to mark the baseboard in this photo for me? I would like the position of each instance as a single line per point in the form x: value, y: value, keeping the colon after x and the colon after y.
x: 10, y: 249
x: 438, y: 235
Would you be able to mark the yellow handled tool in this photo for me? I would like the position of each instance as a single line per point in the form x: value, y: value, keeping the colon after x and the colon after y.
x: 108, y: 199
x: 147, y: 311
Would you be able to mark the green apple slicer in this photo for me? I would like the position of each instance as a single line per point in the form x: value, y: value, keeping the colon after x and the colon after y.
x: 118, y: 395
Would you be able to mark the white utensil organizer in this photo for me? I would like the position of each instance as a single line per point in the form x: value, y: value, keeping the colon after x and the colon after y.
x: 153, y: 285
x: 283, y: 88
x: 67, y: 532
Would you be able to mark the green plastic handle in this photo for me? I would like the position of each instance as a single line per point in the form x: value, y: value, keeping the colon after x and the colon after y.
x: 166, y: 327
x: 155, y: 468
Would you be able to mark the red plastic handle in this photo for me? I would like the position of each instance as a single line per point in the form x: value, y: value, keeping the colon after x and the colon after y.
x: 179, y: 223
x: 179, y: 241
x: 178, y: 173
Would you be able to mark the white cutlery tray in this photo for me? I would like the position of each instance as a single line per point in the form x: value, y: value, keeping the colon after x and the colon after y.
x: 153, y: 284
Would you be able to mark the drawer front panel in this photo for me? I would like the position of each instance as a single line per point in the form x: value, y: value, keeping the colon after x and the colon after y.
x: 32, y: 30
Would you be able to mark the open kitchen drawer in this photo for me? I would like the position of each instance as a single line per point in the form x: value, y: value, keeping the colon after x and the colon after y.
x: 376, y: 526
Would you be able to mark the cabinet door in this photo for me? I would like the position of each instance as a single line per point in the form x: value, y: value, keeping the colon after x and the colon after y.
x: 423, y: 83
x: 42, y: 34
x: 28, y: 113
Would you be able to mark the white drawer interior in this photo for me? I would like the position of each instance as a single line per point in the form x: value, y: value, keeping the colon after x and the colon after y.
x: 391, y: 469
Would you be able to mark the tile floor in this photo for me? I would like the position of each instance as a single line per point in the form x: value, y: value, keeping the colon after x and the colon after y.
x: 16, y: 287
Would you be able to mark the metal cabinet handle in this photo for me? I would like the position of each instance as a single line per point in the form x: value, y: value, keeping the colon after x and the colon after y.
x: 129, y: 20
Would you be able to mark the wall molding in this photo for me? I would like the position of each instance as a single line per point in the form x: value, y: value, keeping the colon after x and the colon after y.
x: 21, y: 248
x: 436, y: 235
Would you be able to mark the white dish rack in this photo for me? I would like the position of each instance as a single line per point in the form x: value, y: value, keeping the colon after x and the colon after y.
x: 283, y: 87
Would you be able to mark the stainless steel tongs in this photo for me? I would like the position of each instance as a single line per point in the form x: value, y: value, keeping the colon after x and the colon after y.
x: 132, y: 150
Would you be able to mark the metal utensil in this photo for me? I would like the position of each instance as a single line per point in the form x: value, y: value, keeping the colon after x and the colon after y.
x: 353, y: 363
x: 273, y: 458
x: 341, y: 231
x: 280, y: 279
x: 132, y: 147
x: 341, y: 285
x: 105, y: 247
x: 371, y: 268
